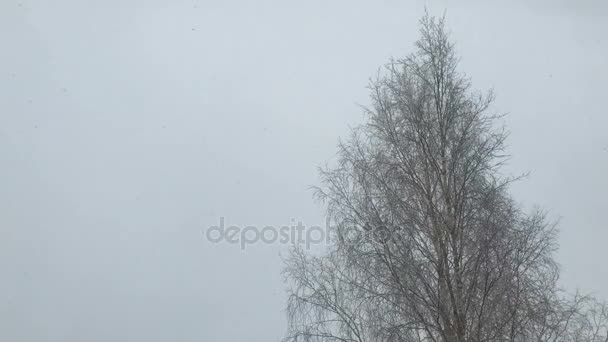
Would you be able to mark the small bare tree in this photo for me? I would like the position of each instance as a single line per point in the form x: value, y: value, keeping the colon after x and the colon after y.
x: 429, y: 246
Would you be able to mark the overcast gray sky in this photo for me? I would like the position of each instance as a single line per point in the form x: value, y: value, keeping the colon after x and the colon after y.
x: 128, y: 127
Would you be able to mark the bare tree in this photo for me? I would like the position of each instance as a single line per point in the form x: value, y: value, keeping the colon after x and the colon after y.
x: 429, y: 245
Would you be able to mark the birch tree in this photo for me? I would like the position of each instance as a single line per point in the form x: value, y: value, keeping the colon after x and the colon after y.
x: 428, y: 243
